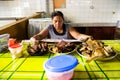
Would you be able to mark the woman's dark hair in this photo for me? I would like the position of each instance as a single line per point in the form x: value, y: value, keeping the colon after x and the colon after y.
x: 57, y: 13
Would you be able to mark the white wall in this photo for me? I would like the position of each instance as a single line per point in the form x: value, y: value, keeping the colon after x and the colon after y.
x: 21, y: 8
x: 75, y: 11
x: 92, y: 10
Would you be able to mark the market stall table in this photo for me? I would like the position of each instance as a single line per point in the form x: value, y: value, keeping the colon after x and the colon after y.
x: 31, y: 67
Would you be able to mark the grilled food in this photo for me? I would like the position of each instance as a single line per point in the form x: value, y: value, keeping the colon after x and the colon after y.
x: 38, y: 49
x: 63, y: 47
x: 95, y: 49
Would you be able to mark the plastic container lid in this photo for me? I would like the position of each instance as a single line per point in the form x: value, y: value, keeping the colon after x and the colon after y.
x: 61, y: 63
x: 4, y: 35
x: 16, y: 45
x: 12, y: 43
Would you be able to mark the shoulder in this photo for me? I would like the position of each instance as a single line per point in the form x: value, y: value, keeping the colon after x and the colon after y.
x: 50, y: 26
x: 67, y: 25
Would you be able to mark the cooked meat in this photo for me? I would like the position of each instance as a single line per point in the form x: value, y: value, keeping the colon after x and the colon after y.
x: 63, y: 47
x: 38, y: 49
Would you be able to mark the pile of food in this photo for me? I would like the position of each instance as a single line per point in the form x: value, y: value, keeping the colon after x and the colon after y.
x: 38, y: 49
x: 95, y: 49
x: 63, y: 47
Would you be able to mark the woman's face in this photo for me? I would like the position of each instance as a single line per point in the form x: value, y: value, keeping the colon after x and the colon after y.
x: 57, y: 22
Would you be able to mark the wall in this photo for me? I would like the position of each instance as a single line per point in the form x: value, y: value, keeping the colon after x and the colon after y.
x: 76, y: 10
x: 92, y: 10
x: 21, y: 8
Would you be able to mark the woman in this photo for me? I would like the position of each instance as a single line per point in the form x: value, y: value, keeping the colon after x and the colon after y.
x: 59, y: 30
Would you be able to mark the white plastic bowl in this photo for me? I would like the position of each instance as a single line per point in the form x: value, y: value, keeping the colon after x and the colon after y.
x: 16, y: 52
x: 60, y: 67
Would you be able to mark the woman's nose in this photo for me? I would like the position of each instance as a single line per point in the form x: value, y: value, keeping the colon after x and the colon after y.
x: 57, y: 22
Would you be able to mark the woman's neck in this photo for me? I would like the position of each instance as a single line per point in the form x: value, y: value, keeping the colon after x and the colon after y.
x: 59, y: 29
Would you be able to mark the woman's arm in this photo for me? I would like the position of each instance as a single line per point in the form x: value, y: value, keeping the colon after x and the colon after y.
x: 42, y: 34
x: 78, y: 35
x: 39, y: 36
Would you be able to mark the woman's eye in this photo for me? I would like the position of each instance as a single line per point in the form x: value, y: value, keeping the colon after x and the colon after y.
x: 58, y: 21
x: 55, y: 21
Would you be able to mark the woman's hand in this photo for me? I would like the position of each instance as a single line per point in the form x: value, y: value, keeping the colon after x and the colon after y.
x: 34, y: 41
x: 84, y: 38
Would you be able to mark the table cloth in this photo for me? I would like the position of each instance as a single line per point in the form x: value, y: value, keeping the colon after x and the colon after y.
x: 31, y: 67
